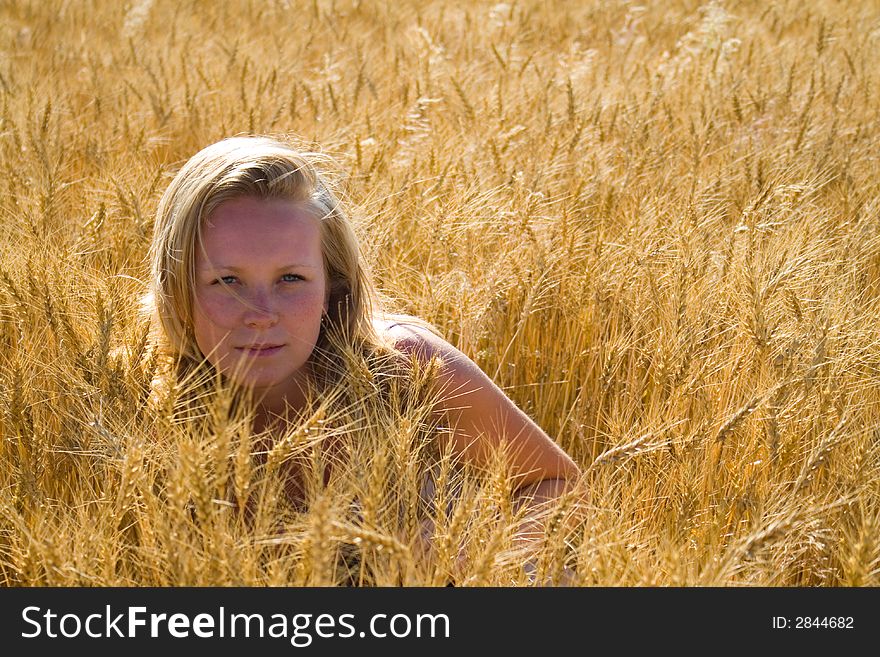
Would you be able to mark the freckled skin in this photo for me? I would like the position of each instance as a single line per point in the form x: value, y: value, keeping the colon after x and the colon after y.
x: 260, y: 281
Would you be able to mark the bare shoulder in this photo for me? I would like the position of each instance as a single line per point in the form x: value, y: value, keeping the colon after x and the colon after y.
x: 482, y: 414
x: 412, y: 336
x: 465, y: 384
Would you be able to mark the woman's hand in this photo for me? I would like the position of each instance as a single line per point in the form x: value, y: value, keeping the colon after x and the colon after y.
x: 537, y: 501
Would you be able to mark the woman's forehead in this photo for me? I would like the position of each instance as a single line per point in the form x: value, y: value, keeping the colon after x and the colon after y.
x: 254, y: 229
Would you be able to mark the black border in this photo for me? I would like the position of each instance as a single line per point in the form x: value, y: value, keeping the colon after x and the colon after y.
x: 517, y: 620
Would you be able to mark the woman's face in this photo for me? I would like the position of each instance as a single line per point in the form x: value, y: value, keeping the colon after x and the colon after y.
x: 260, y: 292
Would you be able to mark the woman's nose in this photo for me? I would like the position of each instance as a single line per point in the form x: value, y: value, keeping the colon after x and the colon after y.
x: 260, y: 311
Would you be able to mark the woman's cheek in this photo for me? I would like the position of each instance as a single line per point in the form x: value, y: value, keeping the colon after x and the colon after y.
x: 302, y: 304
x: 221, y: 310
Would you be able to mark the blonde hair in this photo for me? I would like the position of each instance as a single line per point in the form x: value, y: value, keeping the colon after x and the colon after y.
x: 263, y: 168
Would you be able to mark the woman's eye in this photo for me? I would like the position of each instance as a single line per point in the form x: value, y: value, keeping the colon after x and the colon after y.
x: 229, y: 280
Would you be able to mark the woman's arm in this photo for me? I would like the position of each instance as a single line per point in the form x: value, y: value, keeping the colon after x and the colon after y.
x: 484, y: 418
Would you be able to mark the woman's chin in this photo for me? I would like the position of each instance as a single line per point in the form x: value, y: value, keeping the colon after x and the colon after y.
x: 262, y: 382
x: 258, y: 384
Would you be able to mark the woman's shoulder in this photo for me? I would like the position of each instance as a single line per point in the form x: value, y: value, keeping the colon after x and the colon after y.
x: 463, y: 386
x: 386, y: 321
x: 416, y: 338
x: 410, y: 334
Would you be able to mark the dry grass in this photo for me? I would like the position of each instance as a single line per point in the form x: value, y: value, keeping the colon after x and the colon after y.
x: 656, y: 226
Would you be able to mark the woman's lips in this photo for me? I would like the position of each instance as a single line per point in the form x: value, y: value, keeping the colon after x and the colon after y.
x: 261, y: 351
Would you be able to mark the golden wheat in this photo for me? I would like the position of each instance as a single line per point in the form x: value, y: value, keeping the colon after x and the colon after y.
x: 654, y: 226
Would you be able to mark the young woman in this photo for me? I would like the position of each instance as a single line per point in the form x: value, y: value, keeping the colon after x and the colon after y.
x: 256, y: 271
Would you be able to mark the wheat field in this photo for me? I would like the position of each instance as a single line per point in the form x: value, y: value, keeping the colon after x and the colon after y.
x: 656, y: 225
